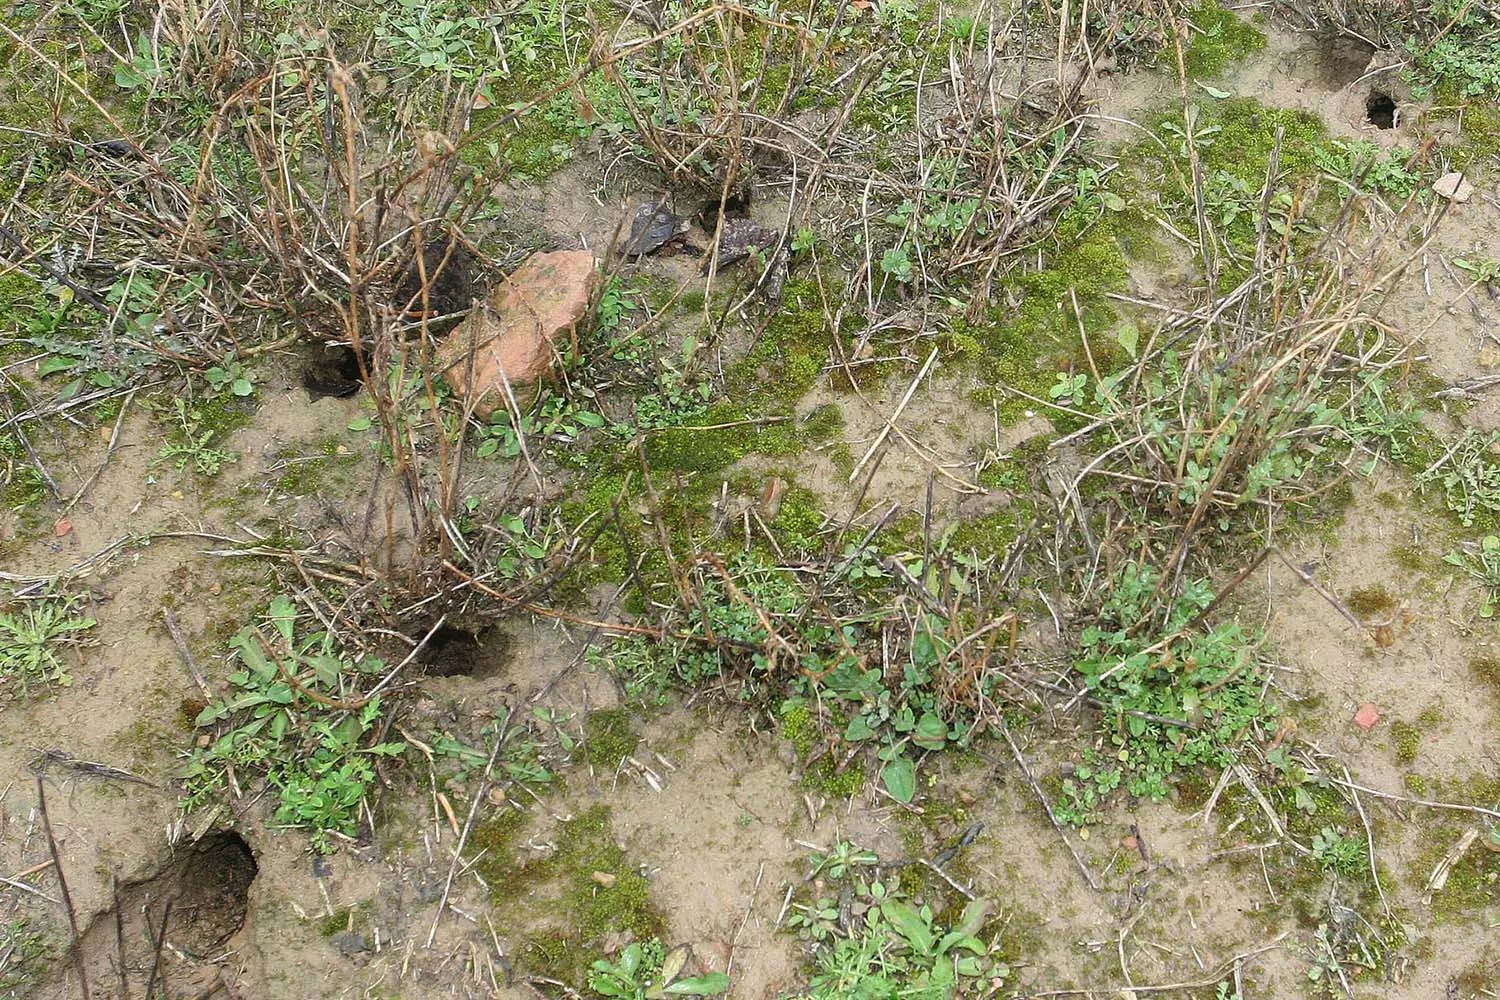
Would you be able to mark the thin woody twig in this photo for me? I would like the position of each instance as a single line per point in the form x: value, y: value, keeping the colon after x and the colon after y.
x: 1036, y: 790
x: 890, y: 422
x: 76, y: 947
x: 463, y: 837
x: 161, y: 940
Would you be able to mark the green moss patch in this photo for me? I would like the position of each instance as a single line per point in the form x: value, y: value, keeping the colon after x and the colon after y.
x: 564, y: 906
x: 609, y: 737
x: 1025, y: 347
x: 1369, y: 602
x: 1408, y: 740
x: 1473, y: 884
x: 535, y: 146
x: 1220, y: 38
x: 1485, y: 670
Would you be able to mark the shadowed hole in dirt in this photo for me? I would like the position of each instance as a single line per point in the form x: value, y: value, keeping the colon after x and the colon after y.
x: 1342, y: 60
x: 458, y: 652
x: 1380, y: 110
x: 212, y: 888
x: 330, y: 372
x: 208, y: 888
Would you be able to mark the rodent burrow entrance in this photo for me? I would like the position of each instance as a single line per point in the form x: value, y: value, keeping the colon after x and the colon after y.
x: 211, y: 887
x: 331, y: 371
x: 460, y: 652
x: 171, y: 929
x: 1380, y: 109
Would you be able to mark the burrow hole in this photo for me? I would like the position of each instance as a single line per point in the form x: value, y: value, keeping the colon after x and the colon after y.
x: 1380, y: 109
x: 460, y: 652
x: 331, y: 371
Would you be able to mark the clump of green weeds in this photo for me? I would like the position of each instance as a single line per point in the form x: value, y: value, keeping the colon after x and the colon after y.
x: 1348, y: 947
x: 89, y: 356
x: 293, y: 716
x: 1481, y: 563
x: 230, y: 376
x: 1469, y: 477
x: 646, y: 971
x: 522, y: 757
x: 22, y: 488
x: 1463, y: 57
x: 1339, y: 852
x: 24, y: 953
x: 33, y: 633
x: 892, y: 944
x: 553, y: 420
x: 750, y: 632
x: 190, y: 445
x: 1366, y: 166
x: 1174, y: 693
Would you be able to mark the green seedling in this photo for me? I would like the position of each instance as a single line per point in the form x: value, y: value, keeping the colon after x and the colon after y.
x: 632, y: 978
x: 33, y: 633
x: 192, y: 447
x: 291, y: 719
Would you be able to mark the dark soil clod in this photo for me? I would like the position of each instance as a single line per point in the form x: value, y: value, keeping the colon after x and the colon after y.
x: 448, y: 268
x: 653, y: 228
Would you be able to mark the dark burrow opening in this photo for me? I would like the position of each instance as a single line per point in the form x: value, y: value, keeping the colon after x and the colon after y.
x: 1380, y: 109
x: 460, y: 652
x: 178, y: 921
x: 331, y: 371
x: 212, y: 892
x: 1341, y: 60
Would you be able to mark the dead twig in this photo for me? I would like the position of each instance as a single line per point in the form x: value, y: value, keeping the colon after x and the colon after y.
x: 1041, y: 797
x: 88, y: 767
x: 463, y: 837
x: 75, y: 947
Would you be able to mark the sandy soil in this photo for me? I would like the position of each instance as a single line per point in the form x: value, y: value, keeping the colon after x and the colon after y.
x: 712, y: 809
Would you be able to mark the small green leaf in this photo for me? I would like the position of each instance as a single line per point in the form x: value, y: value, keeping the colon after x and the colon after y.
x: 699, y: 986
x: 1129, y: 336
x: 359, y: 424
x: 900, y: 778
x: 326, y: 668
x: 1213, y: 92
x: 931, y: 732
x: 283, y: 616
x: 909, y: 924
x: 211, y: 714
